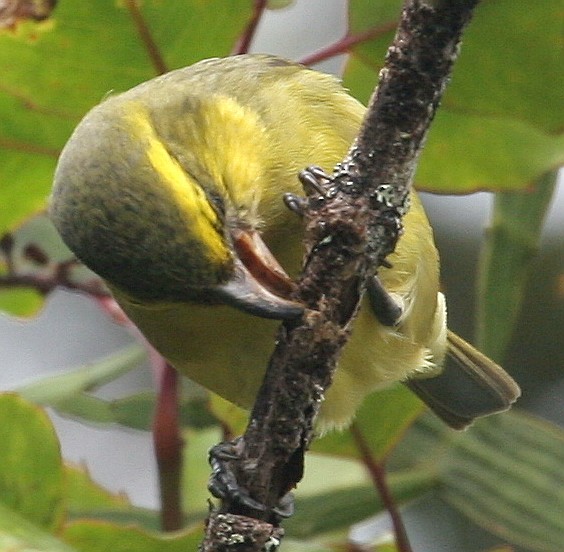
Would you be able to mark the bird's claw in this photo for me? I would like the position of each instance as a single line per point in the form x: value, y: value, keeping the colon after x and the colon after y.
x: 315, y: 179
x: 295, y: 203
x: 223, y: 482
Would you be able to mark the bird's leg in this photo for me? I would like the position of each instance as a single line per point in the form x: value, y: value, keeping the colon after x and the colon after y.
x: 385, y: 307
x: 223, y: 482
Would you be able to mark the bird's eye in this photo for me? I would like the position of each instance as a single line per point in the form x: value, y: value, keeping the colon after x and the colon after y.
x: 217, y: 202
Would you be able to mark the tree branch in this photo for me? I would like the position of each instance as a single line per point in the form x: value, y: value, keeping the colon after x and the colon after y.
x: 350, y: 229
x: 49, y: 275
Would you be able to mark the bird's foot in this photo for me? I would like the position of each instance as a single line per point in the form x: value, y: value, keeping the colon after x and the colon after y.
x: 223, y: 482
x: 314, y: 181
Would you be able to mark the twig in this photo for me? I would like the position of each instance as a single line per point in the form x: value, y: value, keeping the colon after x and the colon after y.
x: 26, y: 147
x: 349, y: 231
x: 151, y: 46
x: 168, y: 449
x: 243, y: 44
x: 377, y: 473
x: 343, y: 45
x: 47, y: 280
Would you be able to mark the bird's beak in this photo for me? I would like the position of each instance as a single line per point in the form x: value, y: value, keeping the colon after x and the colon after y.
x: 259, y: 285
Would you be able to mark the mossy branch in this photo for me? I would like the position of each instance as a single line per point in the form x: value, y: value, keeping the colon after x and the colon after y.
x: 351, y: 226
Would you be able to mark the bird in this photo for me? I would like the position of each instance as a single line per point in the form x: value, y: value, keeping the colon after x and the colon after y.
x: 172, y: 193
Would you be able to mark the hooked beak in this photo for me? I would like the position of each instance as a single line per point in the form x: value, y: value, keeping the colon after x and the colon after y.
x: 259, y: 285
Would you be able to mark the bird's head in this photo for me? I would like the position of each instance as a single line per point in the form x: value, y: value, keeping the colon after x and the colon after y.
x: 146, y: 212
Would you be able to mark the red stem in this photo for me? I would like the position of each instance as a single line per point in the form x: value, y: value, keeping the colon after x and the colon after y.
x: 168, y: 450
x: 25, y: 147
x: 377, y: 472
x: 145, y: 34
x: 243, y: 44
x: 343, y: 45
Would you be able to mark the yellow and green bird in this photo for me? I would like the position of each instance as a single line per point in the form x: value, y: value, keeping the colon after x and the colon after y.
x: 172, y: 193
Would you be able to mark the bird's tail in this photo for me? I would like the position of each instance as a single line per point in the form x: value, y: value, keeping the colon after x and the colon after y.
x: 470, y: 386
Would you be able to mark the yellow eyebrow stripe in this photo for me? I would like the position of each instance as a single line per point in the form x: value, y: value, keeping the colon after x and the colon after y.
x: 186, y: 194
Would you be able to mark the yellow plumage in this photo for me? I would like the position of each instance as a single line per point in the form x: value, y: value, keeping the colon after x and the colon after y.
x: 157, y: 186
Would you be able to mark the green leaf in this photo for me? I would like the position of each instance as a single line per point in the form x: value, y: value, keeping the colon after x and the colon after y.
x: 231, y: 416
x: 505, y: 473
x: 135, y: 411
x: 382, y: 420
x: 18, y: 534
x: 20, y: 302
x: 387, y: 547
x: 330, y: 511
x: 365, y: 15
x: 507, y: 476
x: 86, y: 499
x: 31, y: 472
x: 511, y: 244
x: 500, y: 123
x: 53, y: 75
x: 467, y: 152
x: 62, y: 389
x: 94, y: 536
x: 279, y: 4
x: 319, y: 474
x: 83, y: 495
x: 85, y: 407
x: 513, y: 70
x: 291, y: 545
x: 196, y: 470
x: 32, y: 169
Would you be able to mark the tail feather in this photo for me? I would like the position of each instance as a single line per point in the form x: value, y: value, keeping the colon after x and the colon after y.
x: 470, y: 386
